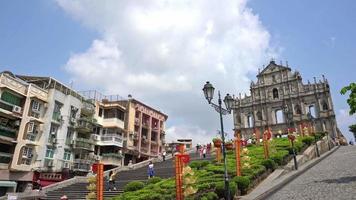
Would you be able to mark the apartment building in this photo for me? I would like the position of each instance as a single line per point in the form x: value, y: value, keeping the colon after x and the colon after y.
x: 132, y: 131
x: 22, y: 111
x: 49, y: 132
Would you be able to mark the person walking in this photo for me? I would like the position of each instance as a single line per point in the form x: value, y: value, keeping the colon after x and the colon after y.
x: 112, y: 181
x: 164, y: 155
x: 204, y: 152
x: 201, y: 152
x: 151, y: 171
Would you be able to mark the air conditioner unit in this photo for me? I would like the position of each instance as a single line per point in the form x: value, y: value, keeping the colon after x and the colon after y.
x: 53, y: 132
x: 17, y: 123
x: 54, y: 140
x: 16, y: 109
x: 96, y: 137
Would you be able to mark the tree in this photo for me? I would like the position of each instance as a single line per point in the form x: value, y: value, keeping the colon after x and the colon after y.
x: 352, y: 97
x: 352, y: 129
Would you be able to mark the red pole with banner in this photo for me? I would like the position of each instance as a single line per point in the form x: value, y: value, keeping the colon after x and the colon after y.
x: 238, y: 154
x: 100, y: 181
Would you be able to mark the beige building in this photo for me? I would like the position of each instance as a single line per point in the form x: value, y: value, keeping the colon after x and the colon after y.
x: 280, y: 100
x: 22, y: 111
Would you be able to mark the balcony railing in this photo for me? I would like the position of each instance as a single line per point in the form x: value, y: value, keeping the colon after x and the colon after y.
x: 85, y: 125
x: 5, y: 158
x: 10, y: 107
x: 115, y: 140
x: 82, y: 143
x: 113, y: 122
x: 7, y: 132
x: 82, y: 165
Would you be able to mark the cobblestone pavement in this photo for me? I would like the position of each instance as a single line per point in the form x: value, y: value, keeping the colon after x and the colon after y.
x: 334, y: 178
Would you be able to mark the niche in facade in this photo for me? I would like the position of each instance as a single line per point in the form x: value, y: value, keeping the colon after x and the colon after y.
x: 275, y: 93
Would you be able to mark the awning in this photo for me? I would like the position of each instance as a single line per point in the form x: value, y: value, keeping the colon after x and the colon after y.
x: 8, y: 184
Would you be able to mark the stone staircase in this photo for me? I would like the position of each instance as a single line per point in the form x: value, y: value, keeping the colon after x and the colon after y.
x: 78, y: 190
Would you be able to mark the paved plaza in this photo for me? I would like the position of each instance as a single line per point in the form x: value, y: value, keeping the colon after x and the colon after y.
x: 332, y: 178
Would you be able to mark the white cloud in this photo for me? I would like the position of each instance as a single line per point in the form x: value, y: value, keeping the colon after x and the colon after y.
x: 162, y: 52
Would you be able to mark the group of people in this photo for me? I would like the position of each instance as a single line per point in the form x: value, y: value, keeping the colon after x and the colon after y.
x: 203, y: 150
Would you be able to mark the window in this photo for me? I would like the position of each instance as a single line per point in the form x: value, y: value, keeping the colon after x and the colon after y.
x: 250, y: 121
x: 11, y: 98
x: 312, y: 110
x: 100, y: 112
x: 36, y: 106
x: 30, y: 127
x: 275, y: 93
x: 57, y: 111
x: 297, y: 109
x: 49, y: 152
x: 259, y: 115
x: 73, y: 112
x: 53, y: 133
x: 325, y: 106
x: 279, y: 116
x: 27, y: 152
x: 67, y: 155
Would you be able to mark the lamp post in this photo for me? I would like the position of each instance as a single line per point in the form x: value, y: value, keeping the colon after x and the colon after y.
x: 312, y: 119
x: 229, y: 101
x: 289, y: 117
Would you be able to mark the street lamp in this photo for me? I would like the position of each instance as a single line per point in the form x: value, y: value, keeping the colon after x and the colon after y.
x: 312, y: 119
x: 229, y: 101
x: 289, y: 117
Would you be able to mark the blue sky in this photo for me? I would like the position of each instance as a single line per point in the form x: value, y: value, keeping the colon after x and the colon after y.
x: 47, y: 37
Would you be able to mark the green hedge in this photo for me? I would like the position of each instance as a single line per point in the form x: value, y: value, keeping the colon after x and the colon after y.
x: 243, y: 183
x: 133, y: 186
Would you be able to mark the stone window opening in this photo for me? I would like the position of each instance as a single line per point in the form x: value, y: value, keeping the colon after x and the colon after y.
x: 325, y: 106
x: 275, y: 93
x: 311, y: 110
x: 259, y: 115
x: 279, y: 116
x: 250, y: 121
x: 297, y: 109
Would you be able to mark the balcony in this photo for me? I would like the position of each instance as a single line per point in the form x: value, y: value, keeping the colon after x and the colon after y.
x: 5, y: 159
x: 88, y: 108
x: 111, y: 159
x: 8, y: 132
x: 57, y: 117
x: 82, y: 143
x: 82, y: 165
x: 85, y: 125
x: 110, y: 140
x: 113, y: 122
x: 10, y: 109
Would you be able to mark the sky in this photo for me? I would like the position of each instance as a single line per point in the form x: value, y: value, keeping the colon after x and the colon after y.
x: 162, y: 52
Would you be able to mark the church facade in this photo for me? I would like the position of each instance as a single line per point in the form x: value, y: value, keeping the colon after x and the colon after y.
x: 280, y: 102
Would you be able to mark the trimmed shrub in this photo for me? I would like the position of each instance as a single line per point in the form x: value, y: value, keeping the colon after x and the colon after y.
x: 198, y: 164
x: 269, y: 164
x: 307, y: 140
x: 154, y: 180
x: 220, y: 189
x: 210, y: 196
x: 243, y: 183
x: 133, y: 186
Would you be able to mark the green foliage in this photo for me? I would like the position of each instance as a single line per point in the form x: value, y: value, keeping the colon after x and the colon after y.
x: 269, y: 164
x: 352, y: 97
x: 133, y: 186
x: 199, y: 164
x: 307, y: 140
x: 209, y: 196
x: 210, y: 174
x: 154, y: 180
x: 243, y: 183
